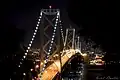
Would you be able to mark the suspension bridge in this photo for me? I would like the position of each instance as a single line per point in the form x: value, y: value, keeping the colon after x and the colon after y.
x: 56, y: 46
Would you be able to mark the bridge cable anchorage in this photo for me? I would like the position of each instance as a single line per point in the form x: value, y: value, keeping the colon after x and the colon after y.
x: 51, y: 43
x: 30, y: 43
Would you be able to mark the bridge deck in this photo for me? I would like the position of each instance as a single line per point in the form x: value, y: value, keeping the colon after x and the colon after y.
x: 51, y: 71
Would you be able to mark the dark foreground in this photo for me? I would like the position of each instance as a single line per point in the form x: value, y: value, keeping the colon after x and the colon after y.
x: 108, y: 72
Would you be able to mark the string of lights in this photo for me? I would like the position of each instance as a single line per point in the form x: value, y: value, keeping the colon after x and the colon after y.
x: 61, y: 29
x: 51, y: 43
x: 30, y: 43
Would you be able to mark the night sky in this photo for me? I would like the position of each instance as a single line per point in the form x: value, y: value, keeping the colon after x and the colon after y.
x: 98, y: 19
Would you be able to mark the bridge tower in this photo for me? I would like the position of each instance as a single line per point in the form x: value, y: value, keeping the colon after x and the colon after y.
x: 51, y: 36
x: 78, y: 43
x: 49, y: 33
x: 69, y: 38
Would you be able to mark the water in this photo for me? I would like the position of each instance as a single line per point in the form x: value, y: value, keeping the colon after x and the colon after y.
x: 75, y: 70
x: 108, y: 72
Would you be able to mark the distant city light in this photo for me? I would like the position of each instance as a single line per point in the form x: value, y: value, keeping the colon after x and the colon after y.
x: 50, y: 7
x: 24, y: 74
x: 19, y: 66
x: 24, y: 56
x: 37, y: 66
x: 31, y: 69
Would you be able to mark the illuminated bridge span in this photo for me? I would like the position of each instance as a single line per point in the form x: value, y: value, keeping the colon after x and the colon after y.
x: 53, y: 42
x: 51, y: 71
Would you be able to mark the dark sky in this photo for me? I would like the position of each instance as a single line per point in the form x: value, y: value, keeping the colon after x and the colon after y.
x: 99, y: 19
x: 24, y: 14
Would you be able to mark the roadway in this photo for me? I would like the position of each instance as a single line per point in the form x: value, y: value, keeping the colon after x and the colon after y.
x: 51, y: 71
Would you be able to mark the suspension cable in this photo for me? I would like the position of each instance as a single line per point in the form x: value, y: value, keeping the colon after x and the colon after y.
x: 31, y: 41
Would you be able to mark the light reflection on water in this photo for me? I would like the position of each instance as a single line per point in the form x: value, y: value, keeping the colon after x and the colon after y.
x: 75, y: 72
x: 110, y: 72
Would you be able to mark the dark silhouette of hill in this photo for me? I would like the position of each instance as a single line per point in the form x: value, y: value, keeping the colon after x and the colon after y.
x: 11, y: 37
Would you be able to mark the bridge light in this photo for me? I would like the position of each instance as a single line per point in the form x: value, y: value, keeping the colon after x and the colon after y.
x: 51, y: 41
x: 92, y: 52
x: 58, y: 13
x: 24, y: 74
x: 37, y: 24
x: 37, y: 66
x: 19, y: 66
x: 84, y: 54
x: 24, y: 56
x: 50, y: 47
x: 56, y: 20
x: 48, y: 53
x: 56, y: 54
x: 49, y: 50
x: 54, y: 27
x: 25, y: 53
x: 57, y: 16
x: 38, y: 19
x: 35, y: 30
x: 54, y: 30
x: 41, y: 63
x: 20, y: 62
x: 30, y: 44
x: 54, y: 33
x: 45, y: 71
x: 55, y: 24
x: 36, y: 27
x: 31, y: 69
x: 41, y: 14
x: 33, y: 36
x: 26, y: 50
x: 44, y: 65
x: 45, y: 61
x: 28, y: 47
x: 52, y: 38
x: 48, y: 56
